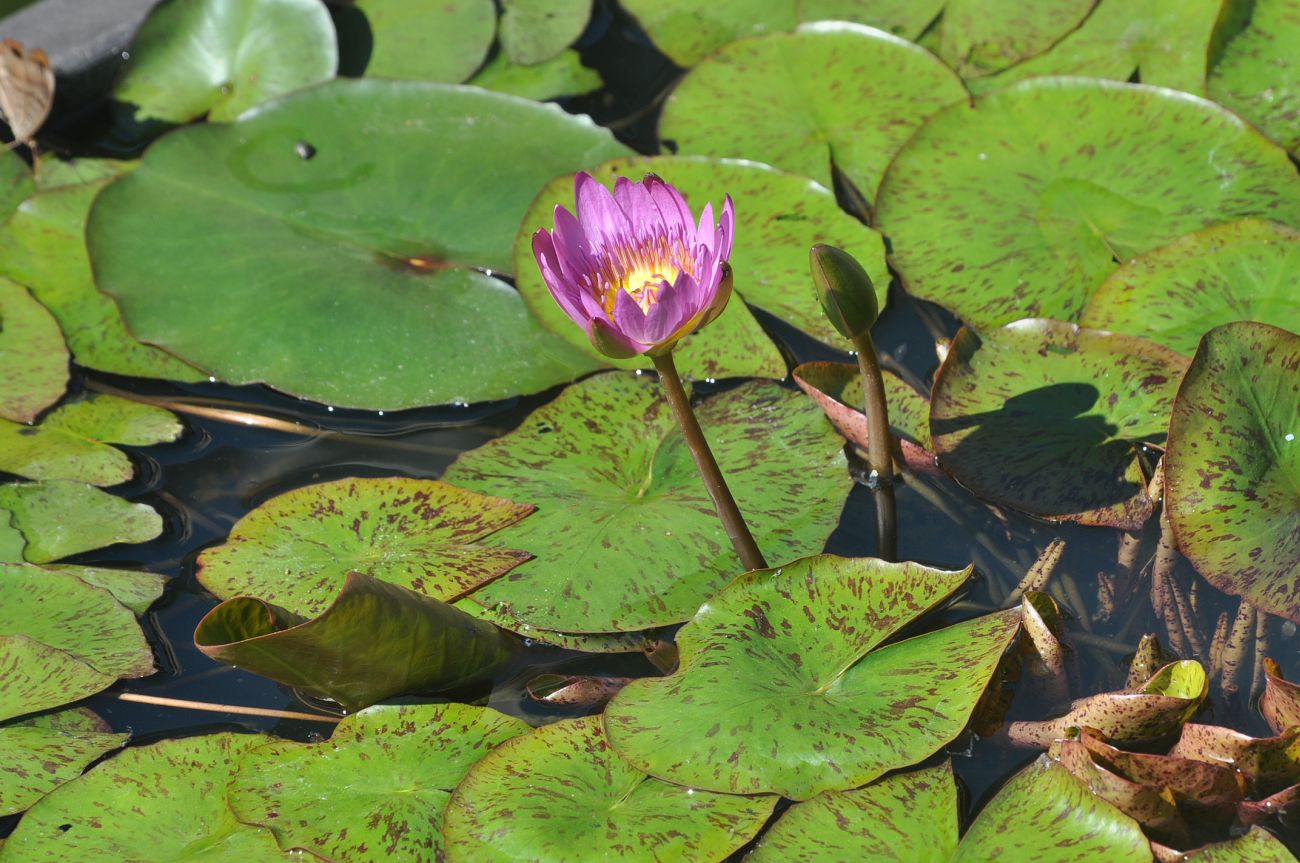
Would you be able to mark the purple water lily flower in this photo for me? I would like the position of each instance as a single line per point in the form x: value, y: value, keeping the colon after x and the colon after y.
x: 633, y: 268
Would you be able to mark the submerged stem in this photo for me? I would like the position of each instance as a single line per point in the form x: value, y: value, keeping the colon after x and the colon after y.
x: 732, y: 521
x: 879, y: 447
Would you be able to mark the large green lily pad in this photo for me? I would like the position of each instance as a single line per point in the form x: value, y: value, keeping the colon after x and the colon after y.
x: 376, y: 640
x: 296, y: 548
x: 41, y: 753
x: 336, y: 274
x: 1232, y: 470
x: 72, y: 442
x: 43, y: 246
x: 828, y: 94
x: 218, y: 58
x: 779, y: 217
x: 779, y: 688
x: 1240, y: 271
x: 1258, y: 75
x: 58, y: 518
x: 534, y: 31
x: 32, y: 354
x: 403, y: 762
x: 1021, y: 205
x: 166, y: 801
x: 1166, y: 42
x: 1050, y: 419
x: 63, y: 639
x: 625, y: 536
x: 978, y: 37
x: 421, y: 41
x: 561, y: 793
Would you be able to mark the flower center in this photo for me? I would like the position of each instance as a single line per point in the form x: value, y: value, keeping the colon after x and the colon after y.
x: 643, y: 272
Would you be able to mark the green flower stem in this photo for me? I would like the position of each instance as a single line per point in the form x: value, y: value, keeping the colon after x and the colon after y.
x: 880, y: 446
x: 741, y: 539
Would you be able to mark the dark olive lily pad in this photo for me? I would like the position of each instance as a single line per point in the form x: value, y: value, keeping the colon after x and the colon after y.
x: 778, y: 218
x: 978, y: 37
x: 317, y: 263
x: 779, y: 689
x: 32, y: 354
x: 218, y: 58
x: 1258, y: 75
x: 295, y: 549
x: 58, y: 518
x: 420, y: 41
x: 625, y: 536
x: 1166, y: 42
x: 166, y: 801
x: 829, y: 93
x: 1048, y: 418
x: 563, y: 75
x: 533, y: 31
x: 402, y: 763
x: 1020, y: 206
x: 43, y: 246
x: 1232, y: 470
x: 561, y: 793
x: 63, y: 639
x: 41, y: 753
x: 1240, y: 271
x: 72, y: 442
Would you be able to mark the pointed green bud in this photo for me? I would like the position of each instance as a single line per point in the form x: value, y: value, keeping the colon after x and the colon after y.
x: 844, y: 289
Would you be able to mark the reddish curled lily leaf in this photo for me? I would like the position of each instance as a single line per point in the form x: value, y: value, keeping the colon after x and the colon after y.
x: 1280, y: 702
x: 837, y: 390
x: 1153, y: 711
x: 1152, y: 807
x: 562, y: 793
x: 1149, y: 658
x: 1284, y: 805
x: 295, y: 549
x: 567, y: 690
x: 1269, y: 763
x: 374, y: 641
x: 404, y: 761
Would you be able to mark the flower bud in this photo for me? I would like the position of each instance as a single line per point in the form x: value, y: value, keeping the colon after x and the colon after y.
x: 844, y: 289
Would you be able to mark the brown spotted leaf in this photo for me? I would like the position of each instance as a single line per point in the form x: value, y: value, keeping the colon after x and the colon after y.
x: 1280, y: 702
x: 296, y: 548
x: 32, y: 354
x: 780, y: 690
x: 1258, y: 75
x: 40, y: 753
x: 1256, y: 846
x: 1269, y: 763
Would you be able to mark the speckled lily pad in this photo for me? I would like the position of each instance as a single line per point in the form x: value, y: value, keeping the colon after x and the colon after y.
x: 561, y: 793
x: 977, y: 37
x: 1021, y: 205
x: 41, y: 753
x: 404, y: 762
x: 779, y: 688
x: 296, y: 548
x: 625, y: 536
x: 416, y: 40
x: 829, y: 93
x: 533, y: 31
x: 1258, y: 75
x: 32, y: 354
x: 1049, y: 418
x: 1232, y: 469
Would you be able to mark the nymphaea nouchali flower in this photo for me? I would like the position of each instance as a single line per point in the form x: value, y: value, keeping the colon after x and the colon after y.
x: 633, y: 268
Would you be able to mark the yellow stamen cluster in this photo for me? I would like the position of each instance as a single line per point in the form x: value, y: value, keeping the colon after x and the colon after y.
x: 642, y: 272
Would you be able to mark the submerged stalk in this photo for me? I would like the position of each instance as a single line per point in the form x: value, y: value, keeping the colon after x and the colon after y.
x: 879, y: 447
x: 728, y: 513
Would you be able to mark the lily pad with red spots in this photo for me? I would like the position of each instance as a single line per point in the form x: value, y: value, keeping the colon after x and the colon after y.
x: 978, y: 37
x: 40, y: 753
x: 1258, y: 75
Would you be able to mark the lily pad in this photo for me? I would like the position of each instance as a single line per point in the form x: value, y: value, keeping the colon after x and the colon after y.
x: 978, y: 37
x: 1258, y: 75
x: 562, y: 75
x: 41, y: 753
x: 376, y: 640
x: 1280, y: 702
x: 831, y: 93
x: 1232, y: 470
x: 1050, y: 419
x: 1256, y: 846
x: 16, y: 182
x: 72, y: 442
x: 779, y: 688
x: 43, y: 246
x: 586, y: 642
x: 1269, y: 763
x: 32, y: 354
x: 779, y: 217
x: 421, y: 41
x: 136, y: 590
x: 533, y: 31
x: 1165, y: 42
x: 1240, y: 271
x: 63, y: 639
x: 331, y: 274
x: 166, y: 801
x: 403, y: 762
x: 561, y: 793
x: 11, y: 539
x: 296, y: 548
x: 218, y: 58
x: 58, y: 518
x: 625, y: 535
x: 1021, y: 205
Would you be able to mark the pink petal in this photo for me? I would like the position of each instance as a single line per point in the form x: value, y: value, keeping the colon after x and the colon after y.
x: 705, y: 233
x: 726, y: 230
x: 601, y: 218
x: 676, y: 306
x: 576, y: 259
x: 675, y: 215
x: 564, y: 292
x: 628, y: 317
